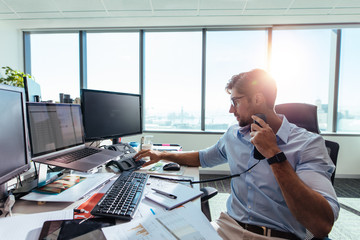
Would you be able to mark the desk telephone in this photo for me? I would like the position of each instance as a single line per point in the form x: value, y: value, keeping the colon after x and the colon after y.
x: 126, y: 161
x: 257, y: 154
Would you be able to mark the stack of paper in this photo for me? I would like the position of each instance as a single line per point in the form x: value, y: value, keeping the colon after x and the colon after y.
x: 187, y: 222
x: 167, y: 147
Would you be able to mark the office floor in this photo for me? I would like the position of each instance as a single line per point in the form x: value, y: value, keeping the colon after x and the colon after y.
x: 347, y: 190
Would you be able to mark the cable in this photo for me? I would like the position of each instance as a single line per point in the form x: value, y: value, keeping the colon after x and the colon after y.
x: 205, y: 181
x: 36, y: 173
x: 19, y: 181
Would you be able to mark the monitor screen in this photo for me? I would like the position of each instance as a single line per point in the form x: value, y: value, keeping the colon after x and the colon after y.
x: 110, y: 115
x: 54, y: 127
x: 15, y: 153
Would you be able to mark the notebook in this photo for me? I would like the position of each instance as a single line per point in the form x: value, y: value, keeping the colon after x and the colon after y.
x: 56, y: 131
x: 183, y: 194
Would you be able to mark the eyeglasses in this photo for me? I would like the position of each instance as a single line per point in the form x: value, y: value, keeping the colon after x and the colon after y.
x: 233, y: 100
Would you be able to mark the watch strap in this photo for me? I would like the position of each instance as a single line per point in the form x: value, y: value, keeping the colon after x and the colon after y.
x: 277, y: 158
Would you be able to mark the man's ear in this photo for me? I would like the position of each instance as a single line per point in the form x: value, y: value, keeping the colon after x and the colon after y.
x: 259, y: 99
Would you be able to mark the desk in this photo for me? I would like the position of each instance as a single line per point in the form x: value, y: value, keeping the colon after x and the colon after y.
x: 190, y: 216
x: 180, y: 223
x: 27, y: 207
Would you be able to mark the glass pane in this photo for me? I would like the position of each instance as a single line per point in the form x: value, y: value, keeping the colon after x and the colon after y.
x: 172, y: 80
x: 55, y: 64
x: 229, y: 53
x: 349, y: 98
x: 300, y: 65
x: 113, y: 61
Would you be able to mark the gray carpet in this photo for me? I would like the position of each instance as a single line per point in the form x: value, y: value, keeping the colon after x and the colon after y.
x: 347, y: 190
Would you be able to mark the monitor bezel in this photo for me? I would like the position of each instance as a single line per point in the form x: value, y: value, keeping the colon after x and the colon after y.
x: 27, y: 162
x: 115, y: 136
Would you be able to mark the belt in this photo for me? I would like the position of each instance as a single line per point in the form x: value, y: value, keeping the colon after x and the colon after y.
x: 268, y: 231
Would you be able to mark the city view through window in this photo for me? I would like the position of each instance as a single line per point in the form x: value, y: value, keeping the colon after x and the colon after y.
x: 174, y: 66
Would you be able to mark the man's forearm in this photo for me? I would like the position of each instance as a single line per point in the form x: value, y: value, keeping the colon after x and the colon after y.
x: 309, y: 207
x: 188, y: 159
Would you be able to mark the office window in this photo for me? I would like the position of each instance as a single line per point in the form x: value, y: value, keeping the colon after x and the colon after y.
x: 349, y: 84
x: 229, y: 53
x: 300, y: 65
x: 55, y: 64
x: 113, y: 61
x: 172, y: 80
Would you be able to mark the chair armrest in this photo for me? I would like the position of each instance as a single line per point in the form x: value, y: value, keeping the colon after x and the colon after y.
x: 208, y: 192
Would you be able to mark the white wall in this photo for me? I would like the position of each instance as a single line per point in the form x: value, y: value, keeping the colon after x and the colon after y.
x: 11, y: 54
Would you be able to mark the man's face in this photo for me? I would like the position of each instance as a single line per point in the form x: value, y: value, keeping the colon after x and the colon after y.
x: 241, y: 108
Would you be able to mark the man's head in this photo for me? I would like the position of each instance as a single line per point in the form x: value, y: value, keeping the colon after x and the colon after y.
x: 251, y: 92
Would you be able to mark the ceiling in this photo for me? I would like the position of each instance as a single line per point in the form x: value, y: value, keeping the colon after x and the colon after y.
x: 85, y: 9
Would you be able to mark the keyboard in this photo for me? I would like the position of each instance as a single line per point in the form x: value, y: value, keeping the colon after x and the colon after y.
x: 75, y: 155
x: 123, y: 197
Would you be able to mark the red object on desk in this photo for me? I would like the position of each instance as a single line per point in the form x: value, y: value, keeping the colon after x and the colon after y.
x: 88, y: 206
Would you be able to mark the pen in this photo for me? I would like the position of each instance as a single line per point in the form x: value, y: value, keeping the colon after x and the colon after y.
x: 164, y: 193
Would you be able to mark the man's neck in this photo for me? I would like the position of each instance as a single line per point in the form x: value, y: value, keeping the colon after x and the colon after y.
x: 274, y: 121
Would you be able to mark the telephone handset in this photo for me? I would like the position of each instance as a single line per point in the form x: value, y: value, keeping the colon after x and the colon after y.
x: 257, y: 154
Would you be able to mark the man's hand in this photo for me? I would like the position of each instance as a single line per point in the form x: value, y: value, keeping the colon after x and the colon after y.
x: 263, y: 138
x: 155, y: 156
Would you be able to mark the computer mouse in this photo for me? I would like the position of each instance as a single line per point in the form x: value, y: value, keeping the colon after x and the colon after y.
x: 171, y: 167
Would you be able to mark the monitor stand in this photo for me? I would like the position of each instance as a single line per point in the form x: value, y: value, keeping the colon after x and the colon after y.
x: 122, y: 147
x: 116, y: 140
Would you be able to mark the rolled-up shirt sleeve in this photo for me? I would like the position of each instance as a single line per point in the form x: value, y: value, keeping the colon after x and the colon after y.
x: 214, y: 155
x: 315, y: 169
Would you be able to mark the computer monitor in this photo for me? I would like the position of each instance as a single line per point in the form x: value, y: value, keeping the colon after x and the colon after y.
x: 110, y: 115
x: 15, y: 153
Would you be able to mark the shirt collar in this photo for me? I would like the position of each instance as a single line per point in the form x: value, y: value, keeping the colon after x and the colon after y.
x: 284, y: 130
x: 244, y: 130
x: 282, y: 134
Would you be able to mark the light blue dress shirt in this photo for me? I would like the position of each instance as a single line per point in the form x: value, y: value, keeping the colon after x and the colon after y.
x: 255, y: 196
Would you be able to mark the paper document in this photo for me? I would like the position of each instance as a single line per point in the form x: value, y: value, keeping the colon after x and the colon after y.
x: 171, y: 195
x: 74, y: 193
x: 187, y: 222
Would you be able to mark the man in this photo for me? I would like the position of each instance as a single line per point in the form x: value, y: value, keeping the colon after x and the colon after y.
x: 284, y: 194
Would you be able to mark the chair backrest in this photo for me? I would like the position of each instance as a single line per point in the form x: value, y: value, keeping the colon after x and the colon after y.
x: 301, y: 114
x: 305, y: 115
x: 333, y: 150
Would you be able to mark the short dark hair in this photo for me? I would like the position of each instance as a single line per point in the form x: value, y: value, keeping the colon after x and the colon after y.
x: 254, y: 81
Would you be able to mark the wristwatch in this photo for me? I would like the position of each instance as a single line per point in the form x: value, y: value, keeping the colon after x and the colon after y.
x: 277, y: 158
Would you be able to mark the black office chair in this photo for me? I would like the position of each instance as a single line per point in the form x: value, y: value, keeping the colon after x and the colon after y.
x: 305, y: 115
x: 301, y: 114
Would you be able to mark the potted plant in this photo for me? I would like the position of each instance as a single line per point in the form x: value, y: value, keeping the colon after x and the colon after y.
x: 14, y: 77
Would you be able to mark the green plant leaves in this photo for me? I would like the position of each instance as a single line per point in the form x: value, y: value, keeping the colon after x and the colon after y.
x: 14, y: 77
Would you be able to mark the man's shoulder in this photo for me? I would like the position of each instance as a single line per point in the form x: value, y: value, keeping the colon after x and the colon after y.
x: 233, y: 130
x: 300, y: 134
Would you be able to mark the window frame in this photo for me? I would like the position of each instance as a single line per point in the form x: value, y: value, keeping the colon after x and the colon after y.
x: 334, y: 61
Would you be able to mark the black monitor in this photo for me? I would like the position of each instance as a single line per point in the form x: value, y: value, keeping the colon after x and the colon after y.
x: 15, y: 153
x: 110, y: 115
